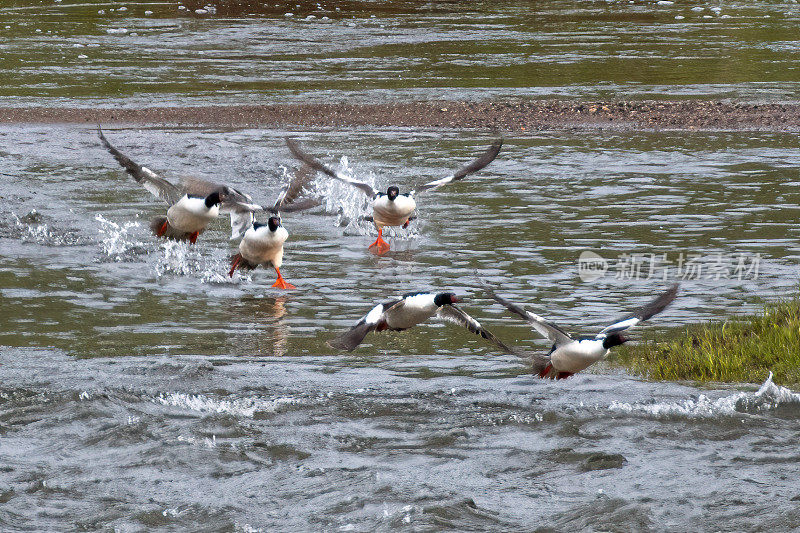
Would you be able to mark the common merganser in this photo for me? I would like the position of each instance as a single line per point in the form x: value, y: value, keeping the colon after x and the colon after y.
x: 408, y: 311
x: 263, y: 243
x: 570, y: 355
x: 393, y: 208
x: 191, y: 207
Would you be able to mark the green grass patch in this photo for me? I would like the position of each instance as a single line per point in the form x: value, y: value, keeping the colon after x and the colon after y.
x: 740, y: 349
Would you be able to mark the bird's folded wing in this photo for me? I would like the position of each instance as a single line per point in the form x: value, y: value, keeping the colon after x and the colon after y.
x: 643, y: 313
x: 385, y: 306
x: 476, y: 165
x: 232, y: 199
x: 158, y: 186
x: 314, y: 163
x: 239, y: 205
x: 456, y: 315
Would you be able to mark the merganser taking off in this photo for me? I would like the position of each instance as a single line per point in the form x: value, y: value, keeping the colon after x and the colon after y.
x: 191, y: 207
x: 408, y: 311
x: 568, y: 355
x: 393, y: 208
x: 263, y: 243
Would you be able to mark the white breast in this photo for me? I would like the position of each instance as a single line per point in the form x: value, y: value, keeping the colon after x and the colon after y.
x: 412, y: 311
x: 264, y: 246
x: 392, y: 213
x: 577, y: 355
x: 191, y: 214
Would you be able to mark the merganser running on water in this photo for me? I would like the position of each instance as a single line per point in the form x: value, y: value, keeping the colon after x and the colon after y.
x: 191, y: 207
x: 393, y: 208
x: 569, y: 355
x: 263, y: 243
x: 408, y: 311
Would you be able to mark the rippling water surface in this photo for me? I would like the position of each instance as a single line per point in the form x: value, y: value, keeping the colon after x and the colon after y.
x: 137, y: 53
x: 143, y: 388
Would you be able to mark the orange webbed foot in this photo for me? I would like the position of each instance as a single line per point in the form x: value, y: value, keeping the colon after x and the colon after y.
x: 380, y: 246
x: 282, y: 284
x: 193, y: 237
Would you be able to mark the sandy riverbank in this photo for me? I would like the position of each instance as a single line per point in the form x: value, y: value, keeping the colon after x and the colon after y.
x: 517, y: 117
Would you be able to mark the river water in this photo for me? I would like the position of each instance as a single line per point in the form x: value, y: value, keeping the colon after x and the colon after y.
x: 88, y: 52
x: 143, y: 389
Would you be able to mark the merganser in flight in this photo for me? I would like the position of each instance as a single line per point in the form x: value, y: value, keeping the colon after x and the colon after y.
x: 408, y: 311
x: 393, y: 208
x: 263, y: 243
x: 191, y: 207
x: 569, y: 355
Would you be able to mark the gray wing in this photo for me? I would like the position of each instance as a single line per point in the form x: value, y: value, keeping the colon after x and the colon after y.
x: 199, y: 187
x: 643, y: 313
x: 151, y: 181
x: 239, y: 205
x: 456, y: 315
x: 547, y: 329
x: 479, y: 163
x: 232, y: 199
x: 289, y: 200
x: 314, y: 163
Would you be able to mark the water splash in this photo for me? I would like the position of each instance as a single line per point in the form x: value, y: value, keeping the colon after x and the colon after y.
x: 179, y: 259
x: 183, y: 259
x: 767, y: 398
x: 118, y: 242
x: 772, y: 395
x: 246, y: 528
x: 215, y: 271
x: 216, y: 274
x: 32, y: 228
x: 246, y: 407
x: 349, y: 204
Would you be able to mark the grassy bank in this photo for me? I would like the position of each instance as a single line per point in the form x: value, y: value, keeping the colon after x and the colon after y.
x: 741, y: 349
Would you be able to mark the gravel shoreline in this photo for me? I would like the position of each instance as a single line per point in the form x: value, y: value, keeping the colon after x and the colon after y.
x: 508, y: 116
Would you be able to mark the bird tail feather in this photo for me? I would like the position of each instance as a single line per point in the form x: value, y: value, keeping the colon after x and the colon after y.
x: 162, y: 228
x: 240, y: 263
